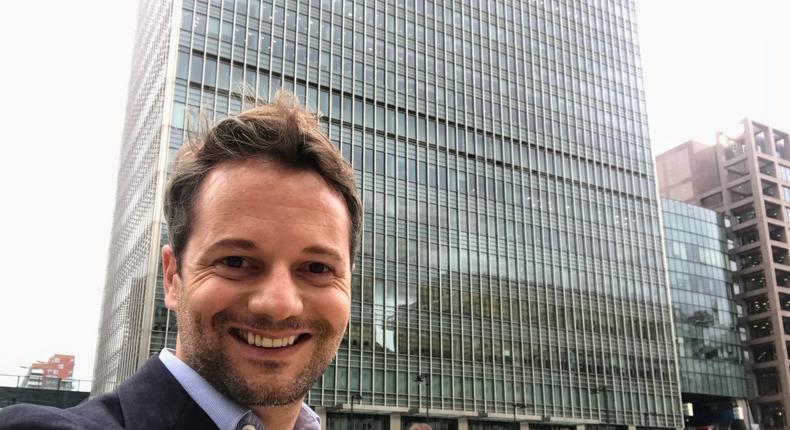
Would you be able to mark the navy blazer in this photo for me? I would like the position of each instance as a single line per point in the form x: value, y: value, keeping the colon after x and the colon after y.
x: 150, y: 399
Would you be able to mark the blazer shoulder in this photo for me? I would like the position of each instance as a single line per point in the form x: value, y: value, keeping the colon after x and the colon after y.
x: 104, y: 411
x: 98, y: 413
x: 150, y: 399
x: 37, y: 417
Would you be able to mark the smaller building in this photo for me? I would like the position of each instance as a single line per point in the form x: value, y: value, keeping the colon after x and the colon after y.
x: 713, y: 375
x: 54, y: 374
x: 746, y: 177
x: 47, y: 383
x: 686, y: 171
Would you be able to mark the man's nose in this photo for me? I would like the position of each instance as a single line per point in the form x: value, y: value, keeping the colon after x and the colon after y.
x: 276, y: 295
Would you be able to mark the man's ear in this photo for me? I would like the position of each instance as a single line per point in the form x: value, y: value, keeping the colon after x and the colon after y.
x: 172, y: 280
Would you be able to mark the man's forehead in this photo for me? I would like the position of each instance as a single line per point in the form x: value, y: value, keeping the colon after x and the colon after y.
x: 279, y: 194
x: 261, y: 169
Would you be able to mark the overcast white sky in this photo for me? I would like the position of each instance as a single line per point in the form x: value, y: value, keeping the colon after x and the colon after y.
x: 63, y: 83
x: 709, y: 63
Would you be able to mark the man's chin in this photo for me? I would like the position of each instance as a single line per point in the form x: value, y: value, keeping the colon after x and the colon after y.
x: 272, y: 391
x: 270, y: 381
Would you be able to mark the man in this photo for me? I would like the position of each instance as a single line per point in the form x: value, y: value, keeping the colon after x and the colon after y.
x: 263, y: 222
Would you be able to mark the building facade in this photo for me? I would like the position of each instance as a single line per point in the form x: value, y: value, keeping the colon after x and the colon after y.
x: 55, y: 373
x: 713, y: 374
x: 510, y: 265
x: 752, y: 187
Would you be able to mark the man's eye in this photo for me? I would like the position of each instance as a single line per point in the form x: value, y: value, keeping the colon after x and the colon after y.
x: 317, y: 268
x: 234, y: 261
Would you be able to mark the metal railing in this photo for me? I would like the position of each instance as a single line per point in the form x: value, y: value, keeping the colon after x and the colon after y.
x: 45, y: 383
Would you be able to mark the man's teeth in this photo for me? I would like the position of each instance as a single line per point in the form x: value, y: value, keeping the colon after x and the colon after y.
x: 265, y: 342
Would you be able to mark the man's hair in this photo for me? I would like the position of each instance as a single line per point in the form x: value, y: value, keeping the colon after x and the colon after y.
x: 283, y: 132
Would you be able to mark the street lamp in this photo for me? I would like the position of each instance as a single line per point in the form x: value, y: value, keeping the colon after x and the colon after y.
x: 419, y: 379
x: 515, y: 407
x: 604, y: 389
x: 357, y: 397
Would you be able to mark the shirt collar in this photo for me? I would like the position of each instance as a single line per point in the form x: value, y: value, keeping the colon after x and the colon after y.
x: 226, y: 414
x: 307, y: 419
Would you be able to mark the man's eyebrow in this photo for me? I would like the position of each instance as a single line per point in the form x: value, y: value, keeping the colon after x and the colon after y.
x: 323, y: 251
x: 233, y: 243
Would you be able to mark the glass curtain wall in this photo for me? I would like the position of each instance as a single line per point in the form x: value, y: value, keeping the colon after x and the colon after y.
x: 511, y: 251
x: 710, y: 355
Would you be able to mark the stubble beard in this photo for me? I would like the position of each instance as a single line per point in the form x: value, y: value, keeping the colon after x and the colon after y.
x: 208, y: 358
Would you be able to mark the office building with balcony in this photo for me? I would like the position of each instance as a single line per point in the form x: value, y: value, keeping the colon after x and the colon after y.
x: 713, y: 373
x: 747, y: 177
x: 510, y: 266
x: 55, y: 373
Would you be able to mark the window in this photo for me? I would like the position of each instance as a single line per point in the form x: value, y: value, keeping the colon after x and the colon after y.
x: 178, y: 115
x: 277, y: 47
x: 196, y: 69
x: 200, y: 24
x: 182, y: 68
x: 227, y: 31
x: 224, y: 76
x: 213, y: 27
x: 211, y: 72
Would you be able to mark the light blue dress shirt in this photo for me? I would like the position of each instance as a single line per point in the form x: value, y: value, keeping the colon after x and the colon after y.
x: 226, y: 414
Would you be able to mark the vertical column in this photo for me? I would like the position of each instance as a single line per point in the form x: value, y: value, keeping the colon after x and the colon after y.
x: 463, y: 423
x: 395, y: 422
x: 524, y: 425
x: 321, y: 412
x: 745, y: 411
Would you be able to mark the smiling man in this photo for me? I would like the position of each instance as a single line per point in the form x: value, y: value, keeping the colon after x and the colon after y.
x: 263, y: 219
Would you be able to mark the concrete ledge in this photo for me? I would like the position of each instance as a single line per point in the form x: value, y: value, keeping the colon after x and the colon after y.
x: 454, y: 414
x: 368, y: 409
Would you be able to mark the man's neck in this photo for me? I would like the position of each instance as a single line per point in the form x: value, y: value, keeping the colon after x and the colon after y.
x: 278, y: 417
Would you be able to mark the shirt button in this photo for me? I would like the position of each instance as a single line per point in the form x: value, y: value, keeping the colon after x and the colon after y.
x: 248, y: 427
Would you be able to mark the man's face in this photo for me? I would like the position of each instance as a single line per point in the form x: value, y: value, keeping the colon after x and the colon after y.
x: 263, y: 293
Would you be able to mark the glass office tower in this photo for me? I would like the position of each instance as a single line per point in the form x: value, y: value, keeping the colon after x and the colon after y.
x: 710, y: 353
x: 510, y: 266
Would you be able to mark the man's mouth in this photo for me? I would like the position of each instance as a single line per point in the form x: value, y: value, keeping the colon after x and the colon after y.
x: 265, y: 342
